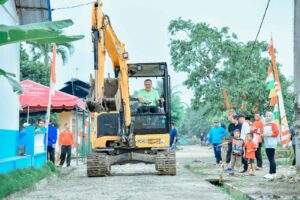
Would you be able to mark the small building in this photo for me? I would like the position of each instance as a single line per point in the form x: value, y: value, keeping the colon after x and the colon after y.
x: 77, y: 88
x: 13, y: 13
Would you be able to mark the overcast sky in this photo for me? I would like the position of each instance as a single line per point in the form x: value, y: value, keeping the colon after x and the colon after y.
x: 142, y: 26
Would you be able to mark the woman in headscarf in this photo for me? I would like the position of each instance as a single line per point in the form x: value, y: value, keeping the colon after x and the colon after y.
x: 270, y: 133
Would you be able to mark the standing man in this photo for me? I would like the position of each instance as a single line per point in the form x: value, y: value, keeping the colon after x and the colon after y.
x: 66, y: 140
x: 245, y: 130
x: 52, y: 138
x: 231, y: 128
x: 173, y: 137
x: 42, y: 129
x: 40, y: 138
x: 257, y: 130
x: 215, y: 137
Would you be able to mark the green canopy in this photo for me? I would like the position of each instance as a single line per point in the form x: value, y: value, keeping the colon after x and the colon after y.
x: 44, y: 32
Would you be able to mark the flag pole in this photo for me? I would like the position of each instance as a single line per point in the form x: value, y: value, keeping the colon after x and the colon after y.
x: 51, y: 92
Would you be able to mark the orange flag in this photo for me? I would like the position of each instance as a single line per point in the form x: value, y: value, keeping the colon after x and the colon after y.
x: 52, y: 70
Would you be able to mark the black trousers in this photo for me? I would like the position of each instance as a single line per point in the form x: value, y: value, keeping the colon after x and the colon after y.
x: 229, y: 151
x: 65, y: 150
x: 271, y: 157
x: 244, y: 162
x: 51, y: 154
x: 258, y: 156
x: 148, y: 109
x: 294, y: 160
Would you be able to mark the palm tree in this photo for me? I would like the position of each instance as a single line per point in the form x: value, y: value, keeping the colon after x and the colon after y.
x: 43, y: 51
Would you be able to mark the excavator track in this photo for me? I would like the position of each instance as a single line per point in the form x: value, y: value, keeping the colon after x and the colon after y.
x: 165, y: 163
x: 97, y: 165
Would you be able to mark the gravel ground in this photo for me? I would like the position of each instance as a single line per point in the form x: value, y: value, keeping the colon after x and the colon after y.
x: 134, y: 182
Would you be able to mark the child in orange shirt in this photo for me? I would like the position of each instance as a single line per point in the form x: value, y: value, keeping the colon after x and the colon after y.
x: 249, y: 153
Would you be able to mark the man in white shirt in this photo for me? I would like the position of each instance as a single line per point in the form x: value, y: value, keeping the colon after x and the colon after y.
x: 245, y: 126
x: 245, y: 130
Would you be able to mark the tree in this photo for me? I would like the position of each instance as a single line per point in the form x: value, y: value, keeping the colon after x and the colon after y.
x: 44, y: 51
x: 194, y: 122
x: 216, y: 61
x: 33, y: 69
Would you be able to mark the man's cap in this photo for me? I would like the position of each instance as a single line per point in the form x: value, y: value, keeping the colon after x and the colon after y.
x: 216, y: 121
x: 242, y: 116
x: 26, y: 124
x: 235, y: 117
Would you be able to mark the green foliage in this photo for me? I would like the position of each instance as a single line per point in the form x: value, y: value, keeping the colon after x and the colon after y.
x: 3, y: 1
x: 215, y: 61
x: 43, y: 32
x: 24, y: 178
x: 194, y: 122
x: 10, y: 78
x: 33, y: 69
x: 44, y: 51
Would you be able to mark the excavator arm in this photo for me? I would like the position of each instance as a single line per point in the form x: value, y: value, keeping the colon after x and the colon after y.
x: 108, y: 94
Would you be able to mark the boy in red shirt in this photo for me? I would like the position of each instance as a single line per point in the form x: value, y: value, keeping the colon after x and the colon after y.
x: 249, y: 153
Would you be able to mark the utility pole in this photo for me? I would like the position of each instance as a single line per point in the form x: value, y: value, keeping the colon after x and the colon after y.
x: 297, y: 79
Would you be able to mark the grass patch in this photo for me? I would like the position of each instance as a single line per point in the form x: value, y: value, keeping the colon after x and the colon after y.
x: 234, y: 194
x: 24, y: 178
x: 198, y: 170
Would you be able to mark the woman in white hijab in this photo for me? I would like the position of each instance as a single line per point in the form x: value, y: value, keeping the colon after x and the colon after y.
x: 270, y: 133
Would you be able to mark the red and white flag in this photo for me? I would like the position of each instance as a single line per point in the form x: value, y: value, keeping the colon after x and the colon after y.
x: 52, y: 71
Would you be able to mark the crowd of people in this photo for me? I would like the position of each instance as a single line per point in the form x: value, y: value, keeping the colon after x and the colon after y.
x: 237, y: 149
x: 64, y: 138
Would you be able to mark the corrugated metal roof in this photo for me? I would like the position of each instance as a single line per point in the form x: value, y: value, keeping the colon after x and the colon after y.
x: 32, y: 11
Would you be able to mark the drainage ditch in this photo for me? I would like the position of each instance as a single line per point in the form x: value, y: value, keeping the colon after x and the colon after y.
x: 230, y: 190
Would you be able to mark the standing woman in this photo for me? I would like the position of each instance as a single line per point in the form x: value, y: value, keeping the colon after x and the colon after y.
x: 270, y: 133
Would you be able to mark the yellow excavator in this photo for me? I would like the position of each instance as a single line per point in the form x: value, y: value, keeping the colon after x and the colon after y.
x: 123, y: 132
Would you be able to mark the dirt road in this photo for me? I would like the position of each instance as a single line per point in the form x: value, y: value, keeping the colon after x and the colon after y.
x: 134, y: 182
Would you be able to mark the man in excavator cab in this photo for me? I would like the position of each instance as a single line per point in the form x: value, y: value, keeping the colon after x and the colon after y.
x: 149, y: 98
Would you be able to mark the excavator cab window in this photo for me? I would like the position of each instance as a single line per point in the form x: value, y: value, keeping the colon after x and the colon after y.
x: 152, y: 114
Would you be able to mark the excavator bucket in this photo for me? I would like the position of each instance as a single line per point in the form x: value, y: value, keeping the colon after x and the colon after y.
x: 110, y: 99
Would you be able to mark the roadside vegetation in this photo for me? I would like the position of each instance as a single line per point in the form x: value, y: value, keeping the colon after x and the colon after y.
x: 24, y: 178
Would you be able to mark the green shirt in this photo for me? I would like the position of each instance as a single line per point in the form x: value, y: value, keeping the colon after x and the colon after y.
x: 151, y: 96
x: 41, y: 130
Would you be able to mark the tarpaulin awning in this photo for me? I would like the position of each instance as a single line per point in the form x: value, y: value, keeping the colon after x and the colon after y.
x: 35, y: 98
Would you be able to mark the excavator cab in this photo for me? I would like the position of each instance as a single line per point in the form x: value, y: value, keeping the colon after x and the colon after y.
x: 148, y: 119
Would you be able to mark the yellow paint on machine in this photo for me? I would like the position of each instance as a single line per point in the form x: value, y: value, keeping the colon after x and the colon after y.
x: 152, y: 140
x: 142, y: 141
x: 101, y: 142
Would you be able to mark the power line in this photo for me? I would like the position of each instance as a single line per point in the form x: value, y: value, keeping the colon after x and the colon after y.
x: 75, y: 6
x: 260, y: 26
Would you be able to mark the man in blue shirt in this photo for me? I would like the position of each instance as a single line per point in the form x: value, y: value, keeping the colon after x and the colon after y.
x: 215, y: 137
x: 52, y: 138
x: 173, y: 136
